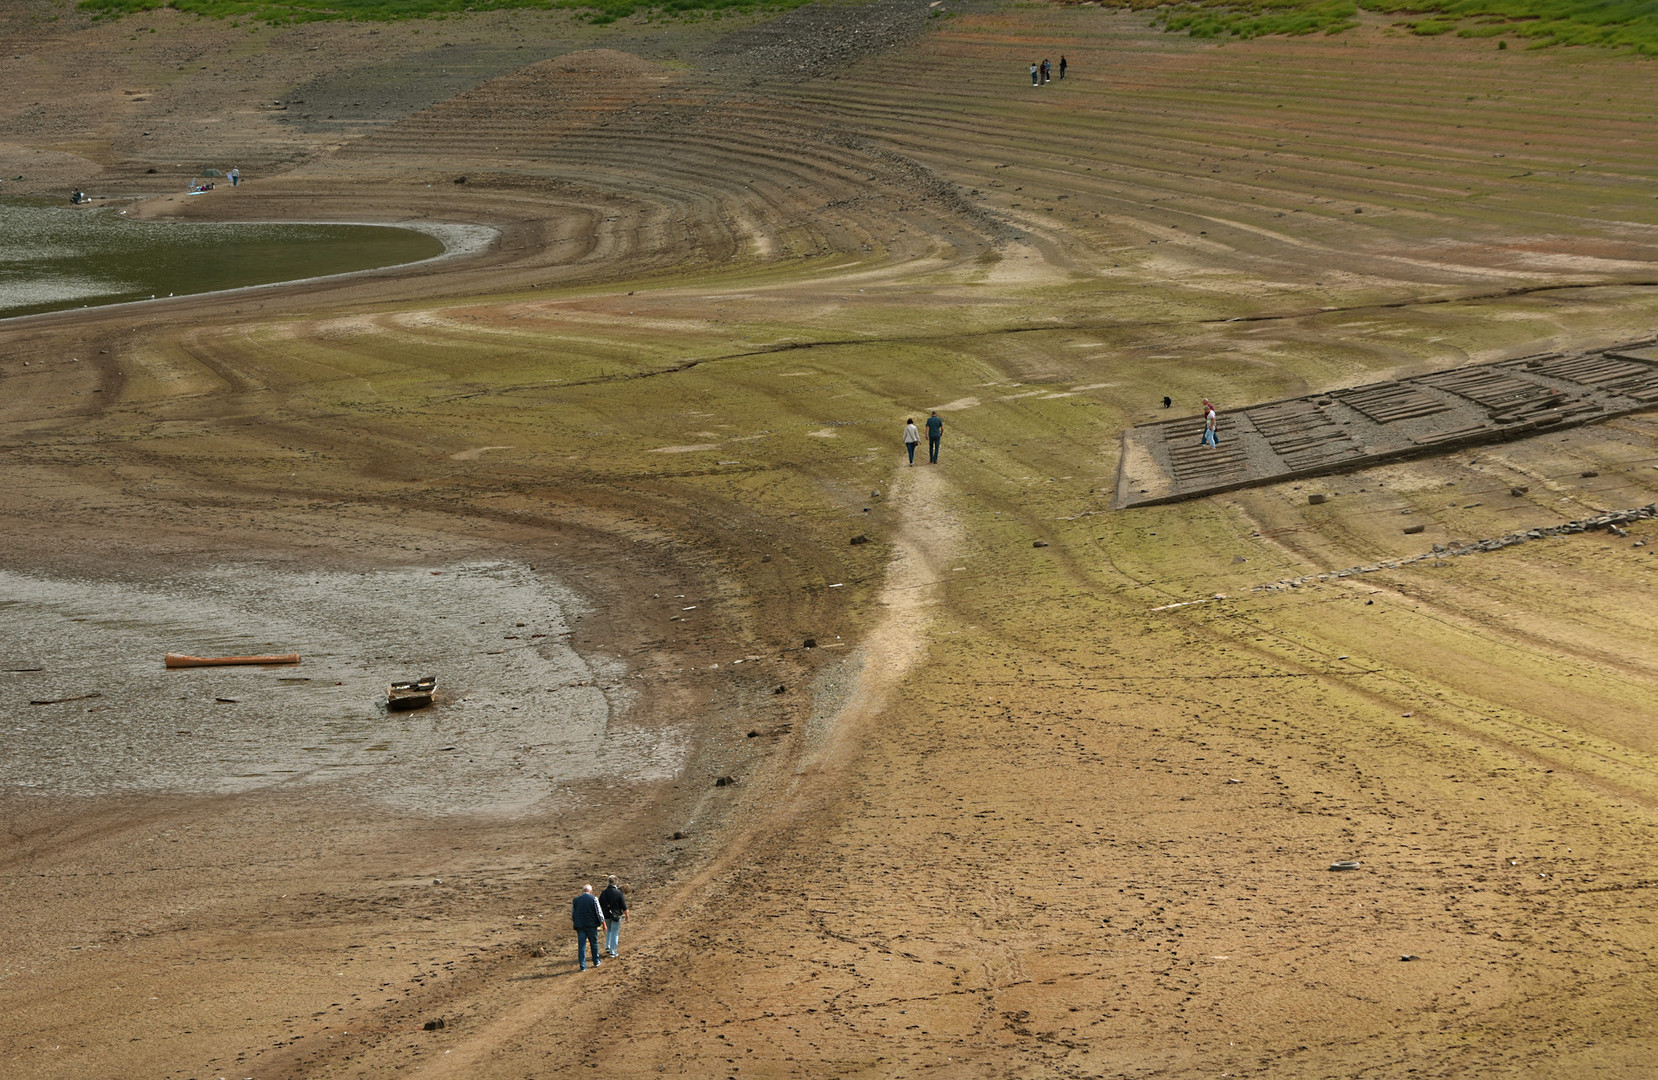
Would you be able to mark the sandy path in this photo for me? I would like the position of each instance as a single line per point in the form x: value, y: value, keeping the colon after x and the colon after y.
x: 539, y: 1016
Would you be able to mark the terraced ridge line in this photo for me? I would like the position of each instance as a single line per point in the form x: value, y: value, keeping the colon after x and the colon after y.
x: 1354, y: 165
x: 1366, y: 425
x: 667, y: 170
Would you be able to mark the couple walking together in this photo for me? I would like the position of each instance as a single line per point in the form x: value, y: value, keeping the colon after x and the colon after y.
x: 935, y: 435
x: 589, y: 914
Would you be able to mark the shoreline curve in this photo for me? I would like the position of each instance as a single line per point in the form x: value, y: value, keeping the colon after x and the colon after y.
x: 459, y: 241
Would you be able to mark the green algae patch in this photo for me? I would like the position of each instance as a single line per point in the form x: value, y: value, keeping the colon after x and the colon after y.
x: 57, y: 257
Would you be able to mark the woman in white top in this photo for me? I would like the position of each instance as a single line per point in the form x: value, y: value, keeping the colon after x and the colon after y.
x: 912, y: 436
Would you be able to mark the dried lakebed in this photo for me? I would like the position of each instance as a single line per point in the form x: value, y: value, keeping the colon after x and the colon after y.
x: 519, y: 711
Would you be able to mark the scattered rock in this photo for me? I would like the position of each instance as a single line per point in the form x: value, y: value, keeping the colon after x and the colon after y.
x: 1315, y: 500
x: 781, y: 690
x: 1518, y: 490
x: 809, y: 643
x: 1408, y: 957
x: 1236, y: 559
x: 538, y: 953
x: 860, y: 539
x: 435, y: 1025
x: 1412, y: 530
x: 753, y: 734
x: 765, y: 558
x: 1587, y: 473
x: 727, y: 781
x: 678, y: 836
x: 1039, y: 543
x: 460, y: 179
x: 1344, y: 866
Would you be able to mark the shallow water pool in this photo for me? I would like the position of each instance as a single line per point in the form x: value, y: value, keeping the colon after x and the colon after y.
x: 55, y: 257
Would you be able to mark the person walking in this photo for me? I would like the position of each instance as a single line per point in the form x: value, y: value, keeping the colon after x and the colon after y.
x: 588, y: 918
x: 613, y: 902
x: 1211, y: 424
x: 1062, y: 65
x: 236, y: 174
x: 935, y: 434
x: 912, y: 436
x: 1033, y: 74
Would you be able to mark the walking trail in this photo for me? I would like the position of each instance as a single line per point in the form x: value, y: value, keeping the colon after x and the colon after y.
x: 550, y: 1015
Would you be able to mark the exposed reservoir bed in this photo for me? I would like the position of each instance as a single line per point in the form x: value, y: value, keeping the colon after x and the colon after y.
x: 55, y: 257
x: 519, y: 713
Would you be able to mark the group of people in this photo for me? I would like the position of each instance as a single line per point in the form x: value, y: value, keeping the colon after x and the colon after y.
x: 589, y: 914
x: 1044, y: 72
x: 234, y: 176
x: 935, y: 435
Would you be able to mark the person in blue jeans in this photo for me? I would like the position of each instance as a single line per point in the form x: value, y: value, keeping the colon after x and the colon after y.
x: 614, y: 903
x: 912, y: 436
x: 1211, y: 425
x: 588, y: 919
x: 935, y: 434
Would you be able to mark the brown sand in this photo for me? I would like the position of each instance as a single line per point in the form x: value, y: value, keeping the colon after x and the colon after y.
x: 1015, y: 815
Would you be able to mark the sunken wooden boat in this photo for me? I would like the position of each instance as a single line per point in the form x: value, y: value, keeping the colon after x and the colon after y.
x: 411, y: 695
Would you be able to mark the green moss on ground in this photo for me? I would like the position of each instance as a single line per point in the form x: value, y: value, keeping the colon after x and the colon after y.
x: 1621, y: 24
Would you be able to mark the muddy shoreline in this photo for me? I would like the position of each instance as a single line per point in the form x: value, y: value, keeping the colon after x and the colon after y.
x: 312, y: 876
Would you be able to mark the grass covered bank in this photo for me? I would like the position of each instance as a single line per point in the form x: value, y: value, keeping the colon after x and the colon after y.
x: 1629, y: 25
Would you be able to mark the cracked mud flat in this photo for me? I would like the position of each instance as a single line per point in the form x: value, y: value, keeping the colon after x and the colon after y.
x: 519, y: 712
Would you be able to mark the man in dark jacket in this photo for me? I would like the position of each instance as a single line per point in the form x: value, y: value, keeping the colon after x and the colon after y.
x: 587, y: 917
x: 614, y: 903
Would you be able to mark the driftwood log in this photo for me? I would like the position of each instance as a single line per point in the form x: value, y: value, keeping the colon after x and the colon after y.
x: 180, y: 660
